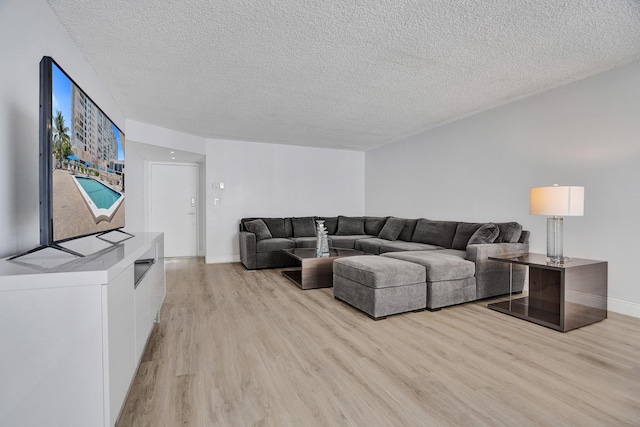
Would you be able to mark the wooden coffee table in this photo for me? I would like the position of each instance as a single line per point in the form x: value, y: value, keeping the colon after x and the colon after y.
x: 315, y: 272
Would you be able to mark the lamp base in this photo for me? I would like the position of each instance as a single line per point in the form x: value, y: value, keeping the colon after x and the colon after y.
x: 554, y: 240
x: 558, y: 261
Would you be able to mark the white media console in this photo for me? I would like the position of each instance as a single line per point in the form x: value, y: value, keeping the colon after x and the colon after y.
x: 73, y: 330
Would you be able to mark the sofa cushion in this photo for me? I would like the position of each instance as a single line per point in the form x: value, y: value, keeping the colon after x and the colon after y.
x: 407, y: 232
x: 509, y: 232
x: 487, y: 233
x: 400, y: 245
x: 259, y: 228
x: 331, y: 223
x: 392, y: 228
x: 464, y: 231
x: 303, y: 227
x: 274, y: 245
x: 348, y: 242
x: 439, y: 233
x: 373, y: 225
x: 454, y: 252
x: 371, y: 245
x: 439, y: 266
x: 350, y: 225
x: 276, y: 226
x: 305, y: 242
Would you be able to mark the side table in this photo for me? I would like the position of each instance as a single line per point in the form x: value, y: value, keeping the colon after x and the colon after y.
x: 561, y: 296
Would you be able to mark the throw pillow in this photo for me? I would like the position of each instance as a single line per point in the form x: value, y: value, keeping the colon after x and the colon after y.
x: 392, y: 229
x: 304, y: 227
x: 509, y: 232
x: 373, y: 225
x: 487, y: 233
x: 259, y: 228
x: 407, y: 231
x: 464, y: 231
x: 350, y: 226
x: 439, y: 233
x: 275, y: 226
x: 331, y: 223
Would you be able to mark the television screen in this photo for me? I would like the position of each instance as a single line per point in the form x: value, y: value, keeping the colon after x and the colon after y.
x: 82, y: 163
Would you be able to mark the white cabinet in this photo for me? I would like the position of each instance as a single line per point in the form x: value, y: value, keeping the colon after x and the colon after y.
x: 143, y: 317
x: 157, y: 284
x: 72, y: 332
x: 121, y: 340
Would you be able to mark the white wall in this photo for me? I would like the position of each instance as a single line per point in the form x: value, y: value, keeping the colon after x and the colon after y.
x: 260, y: 180
x: 163, y: 137
x: 273, y: 180
x: 28, y: 31
x: 481, y: 168
x: 140, y: 136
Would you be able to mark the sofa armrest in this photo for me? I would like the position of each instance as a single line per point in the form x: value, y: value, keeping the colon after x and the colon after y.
x: 248, y: 250
x: 483, y: 251
x: 492, y: 277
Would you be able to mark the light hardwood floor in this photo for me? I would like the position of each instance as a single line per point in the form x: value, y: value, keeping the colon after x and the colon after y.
x: 240, y: 348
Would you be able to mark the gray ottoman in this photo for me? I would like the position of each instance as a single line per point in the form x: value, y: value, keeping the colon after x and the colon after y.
x: 380, y: 286
x: 450, y: 278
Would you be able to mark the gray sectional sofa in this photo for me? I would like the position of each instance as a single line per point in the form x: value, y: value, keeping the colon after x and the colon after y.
x: 454, y: 254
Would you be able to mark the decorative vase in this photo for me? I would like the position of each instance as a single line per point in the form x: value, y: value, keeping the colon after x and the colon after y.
x: 322, y: 242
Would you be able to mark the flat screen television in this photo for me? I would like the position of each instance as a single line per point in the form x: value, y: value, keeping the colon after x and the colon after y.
x: 82, y: 168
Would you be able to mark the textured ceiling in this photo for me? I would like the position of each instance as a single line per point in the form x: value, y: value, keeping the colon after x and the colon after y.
x: 353, y: 74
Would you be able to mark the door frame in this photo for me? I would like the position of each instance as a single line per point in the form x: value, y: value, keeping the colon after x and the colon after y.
x: 200, y: 206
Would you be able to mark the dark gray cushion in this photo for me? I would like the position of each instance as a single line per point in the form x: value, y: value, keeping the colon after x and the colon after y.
x: 464, y: 231
x: 370, y: 245
x: 373, y: 225
x: 509, y: 232
x: 304, y: 227
x: 487, y: 233
x: 401, y: 246
x: 288, y: 228
x: 259, y: 228
x: 346, y: 242
x: 350, y: 225
x: 276, y: 226
x: 439, y: 233
x: 407, y: 231
x: 331, y: 223
x: 305, y: 242
x: 392, y: 229
x: 274, y: 245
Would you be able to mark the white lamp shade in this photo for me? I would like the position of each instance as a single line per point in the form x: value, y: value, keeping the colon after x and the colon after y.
x: 556, y: 201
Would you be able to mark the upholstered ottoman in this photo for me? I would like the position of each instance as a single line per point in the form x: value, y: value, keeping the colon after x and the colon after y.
x: 450, y: 278
x: 380, y: 286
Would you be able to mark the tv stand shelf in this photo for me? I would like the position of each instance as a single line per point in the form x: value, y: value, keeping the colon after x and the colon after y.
x: 73, y: 330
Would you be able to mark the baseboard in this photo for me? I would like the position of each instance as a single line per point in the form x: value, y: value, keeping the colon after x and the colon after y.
x: 623, y: 307
x: 222, y: 260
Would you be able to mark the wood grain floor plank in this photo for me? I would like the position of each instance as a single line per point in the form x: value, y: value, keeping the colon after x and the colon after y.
x: 241, y: 348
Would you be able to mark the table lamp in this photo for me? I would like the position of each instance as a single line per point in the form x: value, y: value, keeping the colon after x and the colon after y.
x: 556, y: 202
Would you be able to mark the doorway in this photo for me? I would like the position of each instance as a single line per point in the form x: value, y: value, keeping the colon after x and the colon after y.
x: 173, y: 201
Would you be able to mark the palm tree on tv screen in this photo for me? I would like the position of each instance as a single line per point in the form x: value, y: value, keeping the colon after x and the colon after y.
x: 61, y: 139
